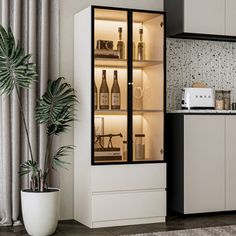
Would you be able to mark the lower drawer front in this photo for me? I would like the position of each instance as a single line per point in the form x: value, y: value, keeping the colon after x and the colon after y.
x: 128, y: 205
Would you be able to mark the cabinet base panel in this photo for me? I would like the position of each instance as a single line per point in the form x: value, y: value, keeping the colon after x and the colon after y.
x: 122, y: 222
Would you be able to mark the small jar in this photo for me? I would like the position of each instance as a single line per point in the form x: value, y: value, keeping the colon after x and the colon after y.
x: 139, y: 147
x: 226, y: 99
x: 233, y: 106
x: 219, y: 100
x: 124, y: 150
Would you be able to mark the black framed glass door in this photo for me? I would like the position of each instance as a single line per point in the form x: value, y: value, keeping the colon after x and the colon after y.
x: 148, y: 86
x: 110, y: 109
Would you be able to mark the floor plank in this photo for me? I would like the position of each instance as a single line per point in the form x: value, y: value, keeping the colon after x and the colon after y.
x: 174, y: 222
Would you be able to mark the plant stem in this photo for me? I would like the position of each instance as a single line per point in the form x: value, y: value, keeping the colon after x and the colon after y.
x: 47, y: 164
x: 49, y: 142
x: 24, y: 122
x: 45, y: 158
x: 48, y: 150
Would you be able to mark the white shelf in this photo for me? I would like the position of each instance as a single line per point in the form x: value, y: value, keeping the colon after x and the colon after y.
x: 110, y: 161
x: 120, y: 63
x: 148, y: 160
x: 124, y: 112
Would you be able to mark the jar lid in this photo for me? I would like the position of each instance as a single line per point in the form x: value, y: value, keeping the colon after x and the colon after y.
x: 139, y: 135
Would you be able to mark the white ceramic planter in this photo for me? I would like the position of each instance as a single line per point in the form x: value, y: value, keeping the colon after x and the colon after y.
x: 40, y: 212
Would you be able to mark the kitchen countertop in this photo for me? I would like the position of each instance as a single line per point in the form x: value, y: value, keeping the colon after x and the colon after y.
x: 203, y: 111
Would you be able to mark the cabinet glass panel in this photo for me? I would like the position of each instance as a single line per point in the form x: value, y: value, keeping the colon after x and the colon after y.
x: 110, y: 85
x: 148, y: 86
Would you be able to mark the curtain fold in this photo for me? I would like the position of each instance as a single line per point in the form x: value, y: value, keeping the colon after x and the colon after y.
x: 35, y: 23
x: 43, y: 63
x: 24, y: 93
x: 15, y: 22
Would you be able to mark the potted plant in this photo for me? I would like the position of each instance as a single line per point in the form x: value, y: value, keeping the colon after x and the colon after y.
x: 40, y: 204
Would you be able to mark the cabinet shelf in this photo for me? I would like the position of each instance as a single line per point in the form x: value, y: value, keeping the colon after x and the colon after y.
x: 124, y: 112
x: 121, y: 63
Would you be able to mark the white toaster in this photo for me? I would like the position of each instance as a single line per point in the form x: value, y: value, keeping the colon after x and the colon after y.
x: 198, y: 98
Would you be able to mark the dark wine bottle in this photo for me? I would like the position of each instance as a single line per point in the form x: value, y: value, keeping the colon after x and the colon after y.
x: 115, y: 92
x: 95, y: 97
x: 104, y: 92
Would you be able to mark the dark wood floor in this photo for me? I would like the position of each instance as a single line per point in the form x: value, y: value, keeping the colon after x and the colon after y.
x: 174, y: 222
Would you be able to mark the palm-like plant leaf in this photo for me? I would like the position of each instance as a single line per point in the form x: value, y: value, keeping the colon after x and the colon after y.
x: 55, y: 107
x: 29, y: 167
x: 61, y: 152
x: 15, y: 68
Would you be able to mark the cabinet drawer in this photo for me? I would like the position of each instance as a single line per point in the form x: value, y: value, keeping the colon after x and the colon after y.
x: 128, y: 177
x: 128, y: 205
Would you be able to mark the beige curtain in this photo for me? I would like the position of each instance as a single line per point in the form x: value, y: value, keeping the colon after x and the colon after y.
x: 36, y: 24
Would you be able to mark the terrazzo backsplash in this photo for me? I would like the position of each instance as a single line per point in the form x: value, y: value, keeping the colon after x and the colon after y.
x: 190, y: 61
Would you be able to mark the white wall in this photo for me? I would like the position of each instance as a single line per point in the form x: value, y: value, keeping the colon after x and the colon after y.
x: 67, y: 10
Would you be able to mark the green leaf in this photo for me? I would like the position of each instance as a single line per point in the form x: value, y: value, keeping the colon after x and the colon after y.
x: 15, y: 68
x: 56, y: 107
x: 29, y: 167
x: 62, y: 152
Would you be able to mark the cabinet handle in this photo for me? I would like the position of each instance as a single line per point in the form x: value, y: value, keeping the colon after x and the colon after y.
x: 161, y: 151
x: 130, y: 83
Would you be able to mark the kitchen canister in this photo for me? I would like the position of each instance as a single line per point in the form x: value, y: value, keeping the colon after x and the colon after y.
x: 219, y: 100
x: 139, y: 147
x: 234, y: 106
x: 226, y: 96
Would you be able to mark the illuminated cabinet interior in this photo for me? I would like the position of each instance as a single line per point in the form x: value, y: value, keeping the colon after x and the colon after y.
x: 146, y: 81
x: 119, y: 165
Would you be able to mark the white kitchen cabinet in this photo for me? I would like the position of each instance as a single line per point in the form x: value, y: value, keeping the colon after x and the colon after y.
x: 204, y: 16
x: 204, y: 163
x: 201, y: 19
x: 230, y: 162
x: 230, y: 9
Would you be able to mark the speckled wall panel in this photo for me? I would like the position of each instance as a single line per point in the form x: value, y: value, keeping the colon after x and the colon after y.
x: 189, y: 61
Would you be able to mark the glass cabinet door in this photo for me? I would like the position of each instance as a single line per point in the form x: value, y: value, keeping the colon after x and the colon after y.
x: 148, y: 86
x: 110, y: 85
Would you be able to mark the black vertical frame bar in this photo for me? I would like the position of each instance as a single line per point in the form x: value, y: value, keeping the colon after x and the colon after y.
x: 92, y: 84
x: 130, y: 87
x: 164, y: 86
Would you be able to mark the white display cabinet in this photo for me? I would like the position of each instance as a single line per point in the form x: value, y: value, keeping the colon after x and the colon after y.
x: 117, y: 179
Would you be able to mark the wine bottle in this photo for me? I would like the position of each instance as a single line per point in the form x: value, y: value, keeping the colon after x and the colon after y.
x: 95, y: 97
x: 120, y: 45
x: 104, y: 92
x: 140, y: 56
x: 115, y: 92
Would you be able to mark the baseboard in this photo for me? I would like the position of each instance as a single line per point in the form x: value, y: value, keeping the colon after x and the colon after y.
x: 121, y: 222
